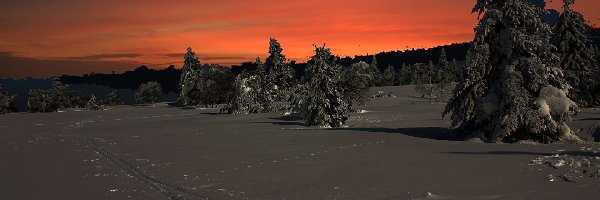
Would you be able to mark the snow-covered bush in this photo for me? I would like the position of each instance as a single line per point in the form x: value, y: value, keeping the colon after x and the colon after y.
x: 513, y: 87
x: 113, y: 98
x: 148, y: 93
x: 7, y: 102
x: 252, y: 94
x: 382, y: 94
x: 53, y: 99
x: 93, y: 104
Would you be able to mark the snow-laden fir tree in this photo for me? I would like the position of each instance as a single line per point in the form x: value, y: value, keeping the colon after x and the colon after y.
x: 7, y: 102
x: 189, y: 85
x: 279, y: 71
x: 322, y: 105
x: 264, y: 89
x: 148, y: 93
x: 113, y: 98
x: 93, y: 103
x: 512, y: 89
x: 577, y: 57
x: 388, y: 77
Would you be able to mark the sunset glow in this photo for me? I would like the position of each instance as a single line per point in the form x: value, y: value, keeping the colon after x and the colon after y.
x: 76, y: 37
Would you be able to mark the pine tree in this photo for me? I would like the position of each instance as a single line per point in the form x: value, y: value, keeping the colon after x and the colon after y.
x: 7, y: 102
x: 355, y: 84
x: 445, y: 74
x: 375, y: 73
x: 189, y: 91
x: 279, y: 72
x: 323, y: 105
x: 513, y: 89
x: 93, y: 104
x: 264, y: 89
x: 388, y: 78
x: 148, y: 93
x: 577, y: 57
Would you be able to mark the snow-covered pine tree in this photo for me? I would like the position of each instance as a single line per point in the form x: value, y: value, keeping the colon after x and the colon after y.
x: 93, y: 104
x: 513, y: 89
x: 189, y: 83
x: 7, y: 102
x: 148, y: 93
x: 323, y: 106
x: 388, y: 78
x: 577, y: 55
x: 280, y: 72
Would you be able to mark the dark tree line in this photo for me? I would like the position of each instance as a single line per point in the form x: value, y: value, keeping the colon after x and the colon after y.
x: 168, y: 78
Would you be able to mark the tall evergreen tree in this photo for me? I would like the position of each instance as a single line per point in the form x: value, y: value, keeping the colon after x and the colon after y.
x: 279, y: 71
x: 375, y: 72
x: 323, y: 105
x: 189, y: 85
x: 7, y: 102
x: 577, y: 56
x: 513, y: 89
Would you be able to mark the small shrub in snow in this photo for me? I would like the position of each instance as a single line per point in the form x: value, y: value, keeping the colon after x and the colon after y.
x: 113, y: 98
x: 382, y: 94
x: 148, y: 93
x: 93, y: 104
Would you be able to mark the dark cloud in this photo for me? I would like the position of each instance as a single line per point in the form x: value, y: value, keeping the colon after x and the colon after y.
x: 20, y: 67
x: 102, y: 56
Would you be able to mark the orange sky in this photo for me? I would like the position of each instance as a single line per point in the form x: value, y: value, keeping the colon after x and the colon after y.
x: 107, y: 35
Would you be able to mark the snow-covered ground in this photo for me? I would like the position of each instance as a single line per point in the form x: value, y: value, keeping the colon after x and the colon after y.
x: 399, y: 148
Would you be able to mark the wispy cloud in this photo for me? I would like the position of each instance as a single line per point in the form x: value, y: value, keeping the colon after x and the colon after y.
x: 102, y: 56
